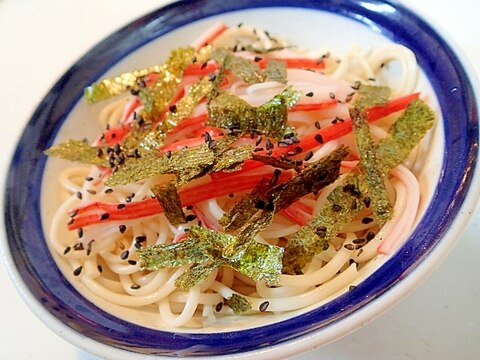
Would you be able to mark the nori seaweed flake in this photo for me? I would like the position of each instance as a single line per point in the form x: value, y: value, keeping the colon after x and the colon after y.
x: 169, y: 200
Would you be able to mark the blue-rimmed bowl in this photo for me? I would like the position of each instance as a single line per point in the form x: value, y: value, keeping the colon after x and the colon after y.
x: 327, y: 24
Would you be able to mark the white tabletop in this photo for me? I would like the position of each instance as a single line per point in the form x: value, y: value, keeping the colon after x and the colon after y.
x: 39, y: 40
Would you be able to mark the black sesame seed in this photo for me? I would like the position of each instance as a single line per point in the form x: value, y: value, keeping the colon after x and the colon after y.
x: 331, y: 95
x: 104, y: 216
x: 99, y: 268
x: 370, y: 235
x: 67, y: 250
x: 168, y: 154
x: 367, y: 201
x: 349, y: 247
x: 89, y: 247
x: 172, y: 108
x: 257, y: 58
x: 79, y: 195
x: 309, y: 94
x: 89, y: 178
x: 308, y: 155
x: 78, y: 246
x: 268, y: 144
x: 212, y: 77
x: 77, y: 271
x: 317, y: 125
x: 132, y: 262
x: 208, y: 138
x: 108, y: 191
x: 122, y: 228
x: 124, y: 255
x: 80, y: 232
x: 121, y: 206
x: 135, y: 287
x: 367, y: 220
x: 263, y: 306
x: 319, y: 138
x: 259, y: 140
x: 357, y: 85
x: 140, y: 239
x: 219, y: 307
x: 358, y: 241
x: 204, y: 65
x: 231, y: 195
x: 190, y: 217
x: 352, y: 287
x: 276, y: 175
x: 189, y: 207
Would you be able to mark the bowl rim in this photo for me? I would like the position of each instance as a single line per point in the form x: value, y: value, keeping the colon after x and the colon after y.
x: 356, y: 318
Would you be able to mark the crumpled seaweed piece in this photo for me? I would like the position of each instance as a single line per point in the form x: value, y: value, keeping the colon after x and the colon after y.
x: 371, y: 96
x: 186, y: 164
x: 272, y: 198
x: 246, y: 207
x: 205, y: 250
x: 248, y: 70
x: 195, y: 275
x: 230, y: 159
x: 238, y: 304
x: 168, y: 73
x: 342, y: 207
x: 184, y: 107
x: 405, y: 134
x: 347, y: 200
x: 79, y: 151
x: 285, y: 164
x: 276, y: 71
x: 231, y: 112
x: 169, y: 200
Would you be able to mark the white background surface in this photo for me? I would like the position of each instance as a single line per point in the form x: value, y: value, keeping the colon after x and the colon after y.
x: 39, y: 40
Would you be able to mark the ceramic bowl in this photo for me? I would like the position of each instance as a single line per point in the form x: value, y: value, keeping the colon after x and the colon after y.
x: 335, y: 24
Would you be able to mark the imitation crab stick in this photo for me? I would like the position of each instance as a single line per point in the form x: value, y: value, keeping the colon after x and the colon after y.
x: 97, y: 212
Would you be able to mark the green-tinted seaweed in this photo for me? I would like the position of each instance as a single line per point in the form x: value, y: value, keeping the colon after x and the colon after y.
x: 348, y: 199
x: 169, y: 199
x: 79, y: 151
x: 184, y: 107
x: 195, y: 275
x: 206, y: 250
x: 238, y: 304
x: 369, y: 95
x: 186, y: 164
x: 168, y: 73
x: 276, y: 71
x: 231, y: 112
x: 375, y: 178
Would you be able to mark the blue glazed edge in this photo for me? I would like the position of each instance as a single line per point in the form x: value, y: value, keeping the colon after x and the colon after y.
x: 62, y: 301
